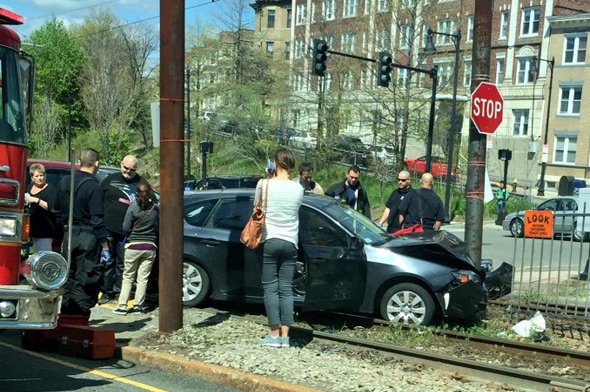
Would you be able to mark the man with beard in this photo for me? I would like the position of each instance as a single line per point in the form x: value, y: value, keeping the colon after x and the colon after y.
x: 119, y: 192
x: 351, y: 192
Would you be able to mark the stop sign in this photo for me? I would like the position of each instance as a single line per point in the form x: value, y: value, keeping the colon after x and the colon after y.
x: 487, y: 108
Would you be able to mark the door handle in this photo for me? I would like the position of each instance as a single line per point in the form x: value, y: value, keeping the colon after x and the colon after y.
x: 211, y: 242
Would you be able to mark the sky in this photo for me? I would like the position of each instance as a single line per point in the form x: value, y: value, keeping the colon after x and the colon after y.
x: 37, y: 12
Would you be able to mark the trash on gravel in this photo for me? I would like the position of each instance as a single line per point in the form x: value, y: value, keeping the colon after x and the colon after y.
x: 530, y: 327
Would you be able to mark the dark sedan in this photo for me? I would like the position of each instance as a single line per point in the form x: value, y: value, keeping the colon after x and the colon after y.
x: 346, y: 262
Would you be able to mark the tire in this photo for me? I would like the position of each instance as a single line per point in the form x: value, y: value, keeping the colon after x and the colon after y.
x: 407, y: 303
x: 578, y: 235
x: 516, y: 228
x: 195, y: 283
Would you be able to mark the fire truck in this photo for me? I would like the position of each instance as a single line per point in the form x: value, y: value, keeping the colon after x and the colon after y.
x: 30, y: 295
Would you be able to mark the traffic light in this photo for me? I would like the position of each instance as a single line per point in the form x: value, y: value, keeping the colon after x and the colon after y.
x: 384, y: 69
x: 320, y: 50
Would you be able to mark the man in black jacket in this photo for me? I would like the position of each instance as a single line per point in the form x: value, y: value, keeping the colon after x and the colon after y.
x: 391, y: 211
x: 423, y: 206
x: 119, y: 192
x: 89, y: 246
x: 351, y: 192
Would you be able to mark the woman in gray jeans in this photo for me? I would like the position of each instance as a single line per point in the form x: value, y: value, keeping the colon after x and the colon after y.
x: 279, y: 247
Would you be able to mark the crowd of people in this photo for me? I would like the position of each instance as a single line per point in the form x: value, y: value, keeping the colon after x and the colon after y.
x: 114, y: 230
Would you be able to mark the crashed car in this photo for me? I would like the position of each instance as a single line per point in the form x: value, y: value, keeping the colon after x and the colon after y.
x: 345, y: 262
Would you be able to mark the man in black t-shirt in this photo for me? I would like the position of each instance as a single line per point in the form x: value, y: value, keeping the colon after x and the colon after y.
x: 391, y: 212
x: 119, y: 192
x: 423, y: 206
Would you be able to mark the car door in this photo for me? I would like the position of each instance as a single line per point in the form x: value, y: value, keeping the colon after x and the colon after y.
x: 552, y: 205
x: 568, y: 207
x: 335, y: 263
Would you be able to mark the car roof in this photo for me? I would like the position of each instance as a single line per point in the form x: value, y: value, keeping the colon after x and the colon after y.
x: 66, y: 165
x: 319, y: 201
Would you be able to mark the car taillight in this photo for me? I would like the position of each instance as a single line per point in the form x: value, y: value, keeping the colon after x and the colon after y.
x: 26, y: 228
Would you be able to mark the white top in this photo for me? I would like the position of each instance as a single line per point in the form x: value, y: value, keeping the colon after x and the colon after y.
x: 282, y: 209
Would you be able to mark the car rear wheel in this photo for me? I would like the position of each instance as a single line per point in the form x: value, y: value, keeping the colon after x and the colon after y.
x: 195, y: 283
x: 407, y: 303
x: 516, y: 228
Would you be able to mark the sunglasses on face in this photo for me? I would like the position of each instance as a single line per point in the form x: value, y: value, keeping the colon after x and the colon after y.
x: 403, y: 179
x: 129, y: 169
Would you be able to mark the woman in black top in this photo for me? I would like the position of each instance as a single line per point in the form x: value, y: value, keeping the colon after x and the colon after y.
x: 41, y: 197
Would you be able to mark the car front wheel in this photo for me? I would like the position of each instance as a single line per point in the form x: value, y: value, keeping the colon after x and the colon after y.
x: 516, y: 228
x: 195, y: 283
x: 407, y: 303
x: 579, y: 235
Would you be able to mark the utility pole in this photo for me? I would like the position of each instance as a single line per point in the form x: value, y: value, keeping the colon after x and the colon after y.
x: 476, y: 156
x: 188, y: 124
x: 171, y: 163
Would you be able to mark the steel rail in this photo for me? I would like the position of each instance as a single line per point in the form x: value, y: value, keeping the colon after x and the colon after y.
x: 468, y: 366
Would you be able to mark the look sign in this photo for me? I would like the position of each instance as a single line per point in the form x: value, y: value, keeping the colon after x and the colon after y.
x: 538, y: 223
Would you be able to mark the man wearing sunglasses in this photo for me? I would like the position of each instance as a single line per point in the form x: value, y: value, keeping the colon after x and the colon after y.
x: 391, y: 212
x: 119, y: 192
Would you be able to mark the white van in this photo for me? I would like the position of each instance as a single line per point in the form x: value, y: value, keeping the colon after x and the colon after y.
x: 582, y: 225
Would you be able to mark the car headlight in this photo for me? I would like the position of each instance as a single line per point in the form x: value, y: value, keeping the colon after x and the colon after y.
x: 462, y: 277
x: 8, y: 227
x: 47, y: 270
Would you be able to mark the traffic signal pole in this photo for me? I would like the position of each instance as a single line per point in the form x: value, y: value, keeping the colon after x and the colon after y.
x: 476, y: 155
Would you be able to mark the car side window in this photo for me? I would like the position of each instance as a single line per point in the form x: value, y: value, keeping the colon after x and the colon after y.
x: 231, y: 215
x: 197, y: 213
x: 549, y: 205
x: 317, y: 230
x: 570, y: 205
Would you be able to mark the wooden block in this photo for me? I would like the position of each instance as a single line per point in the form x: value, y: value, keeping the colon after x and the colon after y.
x: 86, y: 342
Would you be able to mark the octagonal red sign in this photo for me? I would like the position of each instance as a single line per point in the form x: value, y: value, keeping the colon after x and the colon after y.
x: 487, y: 108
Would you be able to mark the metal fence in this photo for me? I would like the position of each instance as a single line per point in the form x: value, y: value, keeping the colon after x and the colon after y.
x: 551, y: 275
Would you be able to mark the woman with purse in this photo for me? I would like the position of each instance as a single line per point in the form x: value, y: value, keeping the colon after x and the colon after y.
x: 141, y: 222
x: 280, y: 234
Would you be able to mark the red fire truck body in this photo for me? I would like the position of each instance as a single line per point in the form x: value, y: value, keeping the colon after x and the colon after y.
x: 29, y: 287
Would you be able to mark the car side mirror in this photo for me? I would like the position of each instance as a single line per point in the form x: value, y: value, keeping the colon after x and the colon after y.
x: 356, y: 244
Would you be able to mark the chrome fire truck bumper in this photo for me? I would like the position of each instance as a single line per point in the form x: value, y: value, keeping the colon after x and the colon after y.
x: 23, y: 307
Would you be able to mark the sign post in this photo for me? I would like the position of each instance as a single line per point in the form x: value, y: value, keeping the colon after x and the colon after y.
x: 487, y: 108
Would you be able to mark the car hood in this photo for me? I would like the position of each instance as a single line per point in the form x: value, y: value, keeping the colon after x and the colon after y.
x: 452, y: 244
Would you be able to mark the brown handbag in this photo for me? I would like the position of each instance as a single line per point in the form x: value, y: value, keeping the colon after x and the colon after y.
x: 252, y: 233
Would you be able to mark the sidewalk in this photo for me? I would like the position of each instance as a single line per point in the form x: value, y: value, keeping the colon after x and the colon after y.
x: 127, y: 333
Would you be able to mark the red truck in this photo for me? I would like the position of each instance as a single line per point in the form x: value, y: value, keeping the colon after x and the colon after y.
x: 30, y: 293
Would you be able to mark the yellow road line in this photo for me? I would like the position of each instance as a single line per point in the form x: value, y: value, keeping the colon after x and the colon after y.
x: 99, y: 373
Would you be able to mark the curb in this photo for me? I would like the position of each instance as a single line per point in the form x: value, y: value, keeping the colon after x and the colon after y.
x: 217, y: 374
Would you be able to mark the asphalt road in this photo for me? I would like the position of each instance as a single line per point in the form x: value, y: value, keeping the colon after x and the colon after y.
x: 26, y: 371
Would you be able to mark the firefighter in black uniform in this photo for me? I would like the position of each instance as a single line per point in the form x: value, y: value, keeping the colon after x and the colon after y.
x: 89, y: 248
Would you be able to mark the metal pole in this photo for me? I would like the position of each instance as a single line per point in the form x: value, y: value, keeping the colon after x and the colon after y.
x: 171, y: 163
x: 476, y: 156
x: 321, y: 81
x: 541, y: 189
x: 434, y: 76
x: 452, y: 131
x: 188, y: 124
x: 505, y: 182
x: 70, y: 156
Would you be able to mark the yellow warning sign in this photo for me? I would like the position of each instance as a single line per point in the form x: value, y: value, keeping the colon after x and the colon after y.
x: 538, y: 224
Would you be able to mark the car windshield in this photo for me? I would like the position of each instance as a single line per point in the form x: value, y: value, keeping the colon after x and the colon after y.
x: 357, y: 223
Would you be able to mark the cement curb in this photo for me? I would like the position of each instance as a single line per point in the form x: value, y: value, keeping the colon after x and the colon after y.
x: 217, y: 374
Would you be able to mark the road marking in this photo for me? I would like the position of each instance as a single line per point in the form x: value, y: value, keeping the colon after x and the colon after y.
x: 100, y: 373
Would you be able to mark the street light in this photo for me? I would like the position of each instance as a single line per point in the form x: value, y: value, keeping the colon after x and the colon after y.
x: 541, y: 189
x: 430, y: 48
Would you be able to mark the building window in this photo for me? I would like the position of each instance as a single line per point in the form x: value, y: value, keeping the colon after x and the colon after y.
x: 296, y: 115
x: 570, y: 98
x: 565, y: 149
x: 329, y: 9
x: 347, y: 43
x: 300, y: 15
x: 312, y: 12
x: 524, y: 74
x: 405, y: 36
x: 503, y: 25
x: 382, y: 40
x: 346, y: 81
x: 467, y: 73
x: 350, y: 7
x: 382, y: 7
x: 521, y: 122
x: 530, y: 21
x: 287, y: 50
x: 445, y: 26
x: 445, y: 73
x: 470, y: 29
x: 500, y: 62
x: 270, y: 19
x: 365, y: 42
x: 327, y: 81
x: 368, y: 7
x: 366, y: 78
x: 298, y: 82
x: 574, y: 51
x: 289, y: 17
x: 329, y: 40
x: 270, y: 47
x: 402, y: 77
x: 299, y: 48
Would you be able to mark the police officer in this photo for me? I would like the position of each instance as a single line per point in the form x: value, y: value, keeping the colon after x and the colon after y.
x: 89, y: 247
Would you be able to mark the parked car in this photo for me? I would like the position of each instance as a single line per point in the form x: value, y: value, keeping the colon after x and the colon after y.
x: 438, y: 166
x: 345, y: 262
x: 564, y: 220
x: 382, y: 154
x: 283, y: 135
x: 303, y: 140
x: 351, y: 150
x: 222, y: 182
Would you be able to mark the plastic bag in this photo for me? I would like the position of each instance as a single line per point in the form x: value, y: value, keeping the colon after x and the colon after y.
x: 528, y: 328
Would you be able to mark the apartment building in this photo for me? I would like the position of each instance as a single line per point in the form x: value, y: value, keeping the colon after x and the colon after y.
x: 272, y: 27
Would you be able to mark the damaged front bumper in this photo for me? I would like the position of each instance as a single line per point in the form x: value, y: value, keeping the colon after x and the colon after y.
x: 23, y: 307
x: 467, y: 301
x: 499, y: 281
